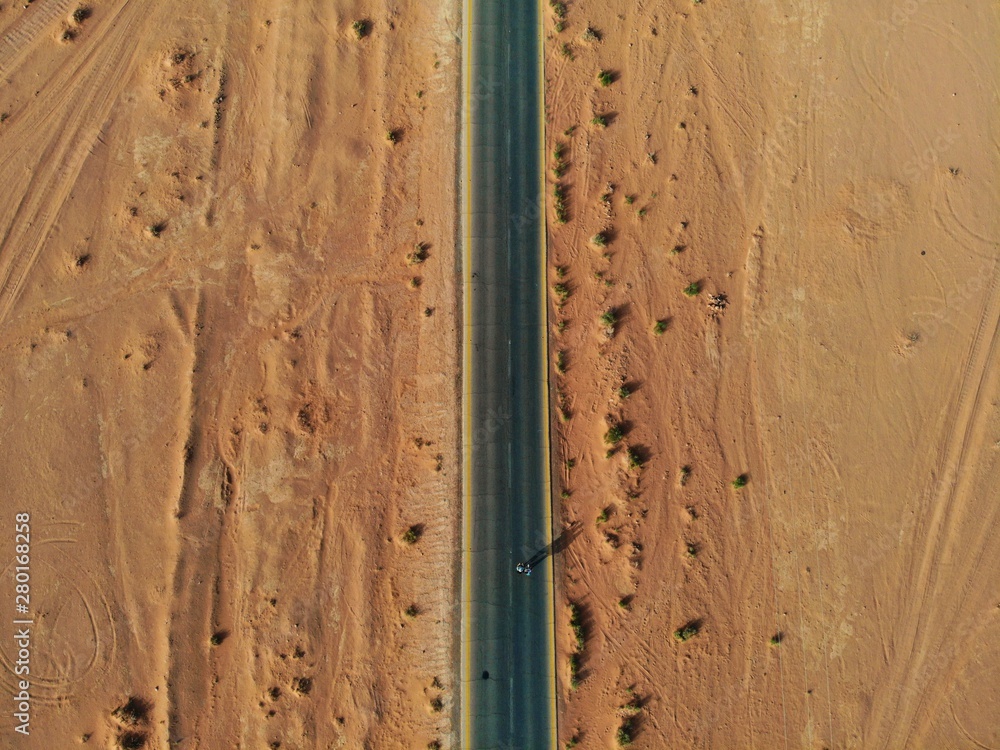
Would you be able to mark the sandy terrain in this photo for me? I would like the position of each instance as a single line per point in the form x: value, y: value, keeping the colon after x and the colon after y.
x: 831, y: 168
x: 223, y: 398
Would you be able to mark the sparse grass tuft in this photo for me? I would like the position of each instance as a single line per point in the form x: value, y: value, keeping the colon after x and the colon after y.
x: 614, y: 435
x: 361, y: 28
x: 419, y: 254
x: 633, y: 707
x: 685, y: 474
x: 591, y: 35
x: 411, y: 611
x: 561, y: 361
x: 561, y: 291
x: 392, y: 136
x: 600, y: 239
x: 599, y: 120
x: 81, y: 14
x: 609, y: 318
x: 411, y: 535
x: 777, y: 638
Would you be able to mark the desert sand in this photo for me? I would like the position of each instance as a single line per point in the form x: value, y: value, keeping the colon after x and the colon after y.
x: 226, y: 394
x: 229, y: 326
x: 831, y: 170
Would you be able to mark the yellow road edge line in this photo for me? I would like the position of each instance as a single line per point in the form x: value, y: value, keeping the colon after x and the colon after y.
x: 546, y: 426
x: 466, y: 181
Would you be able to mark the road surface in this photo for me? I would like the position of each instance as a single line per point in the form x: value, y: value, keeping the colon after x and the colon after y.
x: 507, y: 651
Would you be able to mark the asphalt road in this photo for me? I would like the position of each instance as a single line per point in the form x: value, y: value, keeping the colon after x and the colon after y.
x: 508, y: 661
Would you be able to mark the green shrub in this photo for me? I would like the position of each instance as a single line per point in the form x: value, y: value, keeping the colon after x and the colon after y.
x: 685, y: 474
x: 419, y: 254
x: 624, y: 735
x: 624, y: 392
x: 411, y: 535
x: 561, y: 291
x: 605, y: 77
x: 660, y: 327
x: 609, y: 318
x: 692, y: 289
x: 740, y: 482
x: 634, y: 459
x: 687, y: 632
x: 361, y: 28
x: 600, y: 121
x: 614, y: 435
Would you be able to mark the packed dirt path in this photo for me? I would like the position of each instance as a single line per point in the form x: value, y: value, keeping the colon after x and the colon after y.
x: 229, y: 368
x: 826, y: 175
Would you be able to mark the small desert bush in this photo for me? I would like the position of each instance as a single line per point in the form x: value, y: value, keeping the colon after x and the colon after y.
x: 411, y: 535
x: 686, y: 633
x: 614, y: 435
x: 634, y: 459
x: 624, y: 734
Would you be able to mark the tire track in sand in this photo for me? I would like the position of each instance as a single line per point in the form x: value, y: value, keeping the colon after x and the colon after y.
x: 40, y: 205
x: 25, y: 31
